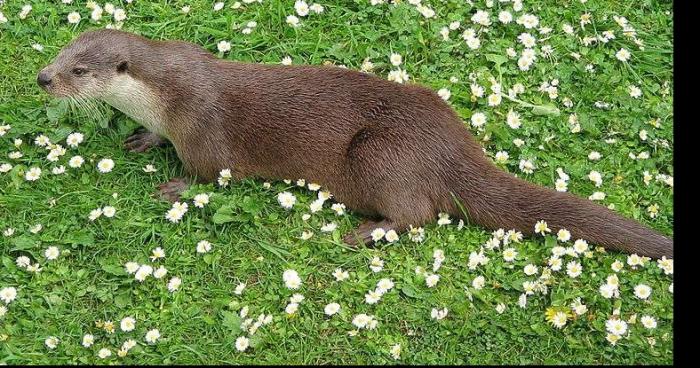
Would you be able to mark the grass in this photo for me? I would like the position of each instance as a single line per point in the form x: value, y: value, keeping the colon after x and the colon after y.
x: 254, y: 239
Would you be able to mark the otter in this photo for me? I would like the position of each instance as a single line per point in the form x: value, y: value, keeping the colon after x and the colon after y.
x: 395, y: 153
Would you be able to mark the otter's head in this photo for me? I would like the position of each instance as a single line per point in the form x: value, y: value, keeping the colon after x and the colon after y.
x: 86, y: 67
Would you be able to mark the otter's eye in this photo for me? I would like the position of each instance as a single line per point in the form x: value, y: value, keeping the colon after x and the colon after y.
x: 79, y: 71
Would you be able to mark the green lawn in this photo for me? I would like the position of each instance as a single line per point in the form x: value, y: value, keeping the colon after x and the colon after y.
x: 587, y: 104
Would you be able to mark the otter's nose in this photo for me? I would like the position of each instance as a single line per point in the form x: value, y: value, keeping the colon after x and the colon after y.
x: 43, y: 79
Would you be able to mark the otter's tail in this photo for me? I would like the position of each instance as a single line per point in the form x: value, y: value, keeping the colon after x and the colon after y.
x: 500, y: 200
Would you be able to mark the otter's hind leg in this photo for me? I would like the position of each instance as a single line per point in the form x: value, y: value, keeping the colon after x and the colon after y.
x: 399, y: 213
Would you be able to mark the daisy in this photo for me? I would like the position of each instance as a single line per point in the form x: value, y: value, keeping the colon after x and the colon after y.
x: 527, y: 166
x: 372, y: 297
x: 286, y: 199
x: 530, y: 269
x: 642, y: 291
x: 608, y: 291
x: 127, y: 324
x: 573, y: 269
x: 385, y: 285
x: 301, y: 8
x: 666, y: 265
x: 478, y: 119
x: 578, y: 307
x: 340, y: 275
x: 505, y: 17
x: 143, y: 272
x: 432, y: 280
x: 291, y: 279
x: 623, y: 55
x: 131, y: 267
x: 152, y: 336
x: 74, y: 139
x: 8, y: 294
x: 559, y: 319
x: 616, y: 326
x: 109, y: 211
x: 51, y: 342
x: 541, y: 227
x: 501, y: 157
x: 157, y: 253
x: 223, y: 46
x: 438, y: 314
x: 33, y: 174
x: 293, y: 21
x: 174, y: 284
x: 376, y: 264
x: 612, y: 338
x: 478, y: 282
x: 513, y: 119
x: 391, y: 236
x: 580, y: 246
x: 509, y: 254
x: 76, y: 161
x: 23, y: 261
x: 561, y: 185
x: 203, y: 246
x: 361, y: 320
x: 88, y: 340
x: 395, y: 351
x: 444, y: 93
x: 160, y: 272
x: 119, y: 15
x: 52, y: 253
x: 242, y: 343
x: 105, y: 165
x: 563, y: 235
x: 331, y: 309
x: 291, y: 308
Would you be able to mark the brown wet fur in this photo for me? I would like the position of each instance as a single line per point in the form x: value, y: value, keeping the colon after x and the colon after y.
x: 389, y: 151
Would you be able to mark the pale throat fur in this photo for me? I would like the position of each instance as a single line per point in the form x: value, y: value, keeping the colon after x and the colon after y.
x: 138, y: 101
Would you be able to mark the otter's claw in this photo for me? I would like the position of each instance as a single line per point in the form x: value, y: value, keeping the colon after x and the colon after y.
x: 171, y: 190
x: 143, y: 141
x: 363, y: 234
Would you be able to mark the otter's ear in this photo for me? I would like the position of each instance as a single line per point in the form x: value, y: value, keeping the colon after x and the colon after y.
x: 123, y: 66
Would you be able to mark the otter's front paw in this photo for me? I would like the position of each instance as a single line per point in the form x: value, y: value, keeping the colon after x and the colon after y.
x: 143, y: 141
x: 171, y: 190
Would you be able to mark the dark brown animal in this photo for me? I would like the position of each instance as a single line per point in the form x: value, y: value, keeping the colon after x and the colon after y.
x: 395, y: 153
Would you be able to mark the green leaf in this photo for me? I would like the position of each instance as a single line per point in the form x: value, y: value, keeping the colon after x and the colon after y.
x: 56, y: 109
x: 223, y: 215
x: 250, y: 205
x: 548, y: 109
x: 411, y: 291
x: 82, y: 237
x: 122, y: 300
x: 231, y: 321
x: 23, y: 242
x: 550, y: 241
x: 114, y: 269
x: 496, y: 59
